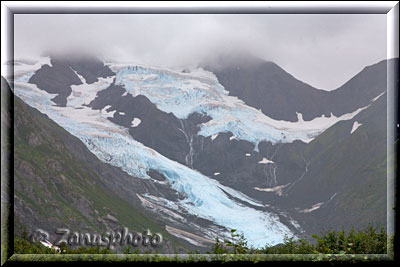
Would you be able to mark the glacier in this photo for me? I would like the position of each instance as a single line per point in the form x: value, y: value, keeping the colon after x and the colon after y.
x: 111, y: 143
x: 181, y: 94
x: 199, y: 91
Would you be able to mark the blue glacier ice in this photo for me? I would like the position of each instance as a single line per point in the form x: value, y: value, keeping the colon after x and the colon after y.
x: 204, y: 197
x: 183, y: 94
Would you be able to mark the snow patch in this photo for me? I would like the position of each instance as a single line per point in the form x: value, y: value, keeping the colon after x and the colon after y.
x: 356, y: 124
x: 189, y: 237
x: 105, y: 109
x: 47, y: 244
x: 376, y: 98
x: 83, y: 80
x: 185, y: 93
x: 204, y: 197
x: 317, y: 206
x: 265, y: 161
x: 135, y: 122
x: 108, y: 114
x: 314, y: 207
x: 277, y: 189
x: 84, y: 93
x: 157, y: 208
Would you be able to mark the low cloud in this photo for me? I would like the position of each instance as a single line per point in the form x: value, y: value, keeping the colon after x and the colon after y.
x: 322, y: 50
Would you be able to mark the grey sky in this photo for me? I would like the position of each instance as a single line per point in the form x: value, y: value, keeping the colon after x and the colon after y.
x: 322, y: 50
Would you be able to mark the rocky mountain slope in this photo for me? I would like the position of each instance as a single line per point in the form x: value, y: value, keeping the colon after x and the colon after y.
x: 59, y: 183
x: 279, y: 95
x: 198, y: 150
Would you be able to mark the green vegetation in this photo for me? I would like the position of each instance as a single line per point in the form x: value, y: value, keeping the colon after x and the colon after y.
x: 362, y: 245
x: 23, y: 246
x: 367, y: 241
x: 52, y: 182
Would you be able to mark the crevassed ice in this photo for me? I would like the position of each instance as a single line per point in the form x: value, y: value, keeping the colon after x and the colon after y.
x: 183, y: 94
x: 204, y: 197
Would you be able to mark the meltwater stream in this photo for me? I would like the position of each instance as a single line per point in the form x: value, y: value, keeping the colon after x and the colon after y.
x: 185, y: 93
x: 204, y: 197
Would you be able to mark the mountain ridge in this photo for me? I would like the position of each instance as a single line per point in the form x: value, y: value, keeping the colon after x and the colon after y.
x: 283, y: 176
x: 294, y: 95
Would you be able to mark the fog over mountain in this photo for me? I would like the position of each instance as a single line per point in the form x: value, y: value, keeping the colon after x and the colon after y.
x: 198, y: 126
x: 323, y: 50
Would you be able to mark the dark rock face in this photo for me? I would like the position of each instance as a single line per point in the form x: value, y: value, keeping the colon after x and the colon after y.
x: 58, y: 78
x: 170, y: 136
x: 60, y: 183
x: 157, y: 129
x: 90, y: 68
x: 279, y: 95
x: 223, y: 156
x: 346, y: 172
x: 297, y: 166
x: 358, y: 91
x: 268, y: 87
x: 156, y: 175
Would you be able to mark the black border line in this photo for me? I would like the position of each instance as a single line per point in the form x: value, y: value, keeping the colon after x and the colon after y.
x: 321, y: 9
